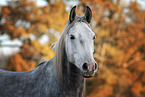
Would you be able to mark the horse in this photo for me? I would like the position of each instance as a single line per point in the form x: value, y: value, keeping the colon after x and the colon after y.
x: 64, y: 75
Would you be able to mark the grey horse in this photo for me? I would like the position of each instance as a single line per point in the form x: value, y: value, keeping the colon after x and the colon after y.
x: 64, y: 75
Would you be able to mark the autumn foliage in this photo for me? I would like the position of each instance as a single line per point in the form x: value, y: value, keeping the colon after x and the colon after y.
x: 120, y: 49
x: 119, y: 46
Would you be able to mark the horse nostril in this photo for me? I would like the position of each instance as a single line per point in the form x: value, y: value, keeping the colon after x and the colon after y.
x: 85, y: 66
x: 96, y: 66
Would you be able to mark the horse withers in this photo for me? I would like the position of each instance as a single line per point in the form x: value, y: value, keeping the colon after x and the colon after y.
x: 62, y: 76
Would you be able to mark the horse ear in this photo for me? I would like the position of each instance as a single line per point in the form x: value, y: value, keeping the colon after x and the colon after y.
x: 72, y: 14
x: 88, y: 14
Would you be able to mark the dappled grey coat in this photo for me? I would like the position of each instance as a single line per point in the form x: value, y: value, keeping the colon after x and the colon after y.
x: 40, y: 82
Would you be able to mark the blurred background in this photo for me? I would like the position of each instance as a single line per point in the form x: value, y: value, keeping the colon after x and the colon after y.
x: 28, y: 28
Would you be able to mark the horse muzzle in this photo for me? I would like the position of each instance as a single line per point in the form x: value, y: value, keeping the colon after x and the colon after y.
x: 89, y: 69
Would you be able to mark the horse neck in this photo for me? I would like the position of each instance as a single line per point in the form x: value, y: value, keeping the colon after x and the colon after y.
x: 73, y: 80
x: 73, y: 76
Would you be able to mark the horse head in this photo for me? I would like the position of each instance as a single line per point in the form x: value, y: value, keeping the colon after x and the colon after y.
x: 79, y: 43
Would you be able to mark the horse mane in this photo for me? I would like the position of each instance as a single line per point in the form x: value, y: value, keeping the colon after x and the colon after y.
x: 60, y: 47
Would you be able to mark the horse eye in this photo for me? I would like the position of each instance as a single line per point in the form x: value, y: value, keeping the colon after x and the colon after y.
x: 72, y: 37
x: 94, y: 37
